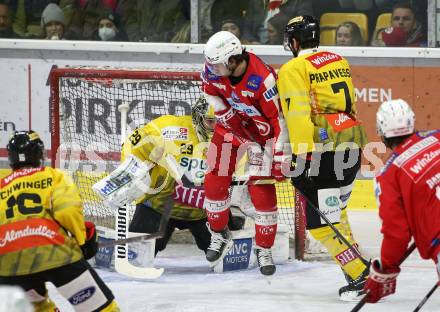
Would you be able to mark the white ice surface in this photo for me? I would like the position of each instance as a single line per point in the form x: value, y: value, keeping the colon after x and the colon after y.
x: 188, y: 285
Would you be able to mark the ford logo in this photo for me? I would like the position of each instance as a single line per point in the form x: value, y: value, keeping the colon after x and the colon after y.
x: 82, y: 295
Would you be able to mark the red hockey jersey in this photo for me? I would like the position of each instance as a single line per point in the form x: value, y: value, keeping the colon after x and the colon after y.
x: 408, y: 192
x: 254, y: 100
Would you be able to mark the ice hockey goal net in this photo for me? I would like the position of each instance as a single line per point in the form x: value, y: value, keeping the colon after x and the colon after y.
x: 85, y: 128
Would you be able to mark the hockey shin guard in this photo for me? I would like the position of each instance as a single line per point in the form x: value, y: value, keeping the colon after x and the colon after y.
x: 217, y: 201
x: 345, y: 257
x: 264, y: 199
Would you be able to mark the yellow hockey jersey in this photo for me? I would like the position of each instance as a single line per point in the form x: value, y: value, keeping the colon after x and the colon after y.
x: 41, y: 221
x: 318, y: 101
x: 176, y: 138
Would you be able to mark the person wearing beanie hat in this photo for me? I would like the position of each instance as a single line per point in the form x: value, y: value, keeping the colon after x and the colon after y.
x: 109, y: 28
x: 53, y: 22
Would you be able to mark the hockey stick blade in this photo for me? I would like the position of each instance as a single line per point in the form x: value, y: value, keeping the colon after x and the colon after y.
x: 123, y: 266
x: 363, y: 301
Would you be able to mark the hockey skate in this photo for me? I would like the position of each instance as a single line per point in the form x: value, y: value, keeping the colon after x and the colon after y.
x: 354, y: 291
x: 221, y: 243
x: 265, y: 261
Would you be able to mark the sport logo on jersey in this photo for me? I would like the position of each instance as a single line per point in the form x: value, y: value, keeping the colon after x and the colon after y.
x: 319, y: 60
x: 175, y: 133
x: 254, y: 82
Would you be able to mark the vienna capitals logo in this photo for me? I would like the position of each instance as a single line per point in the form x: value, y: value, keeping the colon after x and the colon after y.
x: 332, y: 201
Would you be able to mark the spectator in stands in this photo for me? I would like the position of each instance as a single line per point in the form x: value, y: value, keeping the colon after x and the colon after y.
x: 109, y: 29
x: 255, y: 21
x: 151, y: 20
x: 233, y: 25
x: 53, y: 23
x: 358, y: 5
x: 348, y: 34
x: 405, y: 30
x: 6, y: 30
x: 275, y: 29
x: 86, y: 14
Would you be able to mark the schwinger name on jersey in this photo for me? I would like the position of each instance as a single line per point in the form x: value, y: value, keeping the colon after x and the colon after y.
x: 418, y: 157
x: 321, y: 59
x: 175, y: 133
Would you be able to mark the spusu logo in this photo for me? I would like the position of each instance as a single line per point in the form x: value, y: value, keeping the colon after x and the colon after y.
x: 82, y: 295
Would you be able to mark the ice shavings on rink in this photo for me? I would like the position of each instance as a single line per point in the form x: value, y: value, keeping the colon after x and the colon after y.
x: 188, y: 285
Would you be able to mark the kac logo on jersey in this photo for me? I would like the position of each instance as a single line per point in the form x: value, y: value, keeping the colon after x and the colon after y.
x: 254, y: 82
x: 82, y: 295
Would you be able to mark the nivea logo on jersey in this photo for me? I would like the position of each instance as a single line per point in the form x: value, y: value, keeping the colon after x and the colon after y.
x: 254, y: 82
x: 175, y: 133
x: 239, y: 255
x: 271, y: 93
x: 319, y: 60
x: 82, y: 295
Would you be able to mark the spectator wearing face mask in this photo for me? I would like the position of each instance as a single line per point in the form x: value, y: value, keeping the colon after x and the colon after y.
x: 109, y: 29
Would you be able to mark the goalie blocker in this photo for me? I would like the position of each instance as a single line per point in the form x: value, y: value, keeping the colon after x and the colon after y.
x: 126, y: 183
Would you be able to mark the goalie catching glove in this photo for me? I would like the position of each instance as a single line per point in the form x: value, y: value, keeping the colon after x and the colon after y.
x: 130, y: 181
x: 90, y: 247
x: 381, y: 282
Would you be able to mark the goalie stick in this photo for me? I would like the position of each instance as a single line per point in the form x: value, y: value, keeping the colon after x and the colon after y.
x: 363, y: 301
x: 122, y: 265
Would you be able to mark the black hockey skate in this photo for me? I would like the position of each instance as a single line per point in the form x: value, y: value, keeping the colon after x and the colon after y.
x: 221, y: 243
x: 265, y: 261
x: 354, y: 291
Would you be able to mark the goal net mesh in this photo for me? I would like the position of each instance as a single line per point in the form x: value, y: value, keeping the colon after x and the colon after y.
x: 86, y: 125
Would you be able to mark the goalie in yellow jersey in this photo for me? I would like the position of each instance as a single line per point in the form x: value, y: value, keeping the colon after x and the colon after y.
x: 178, y: 145
x: 318, y: 103
x: 43, y: 236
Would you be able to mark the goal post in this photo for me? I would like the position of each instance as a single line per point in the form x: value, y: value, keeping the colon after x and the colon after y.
x: 85, y: 128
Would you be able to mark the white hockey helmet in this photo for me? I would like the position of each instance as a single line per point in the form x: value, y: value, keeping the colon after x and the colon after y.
x: 219, y: 48
x: 394, y: 118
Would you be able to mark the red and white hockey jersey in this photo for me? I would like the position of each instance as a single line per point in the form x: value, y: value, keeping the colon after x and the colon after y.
x: 250, y: 109
x: 408, y: 192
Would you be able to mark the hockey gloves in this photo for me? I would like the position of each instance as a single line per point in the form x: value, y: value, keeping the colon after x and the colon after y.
x: 90, y: 247
x: 381, y: 282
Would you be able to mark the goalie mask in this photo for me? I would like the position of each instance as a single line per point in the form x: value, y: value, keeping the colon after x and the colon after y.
x: 219, y: 48
x: 203, y: 119
x: 25, y: 149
